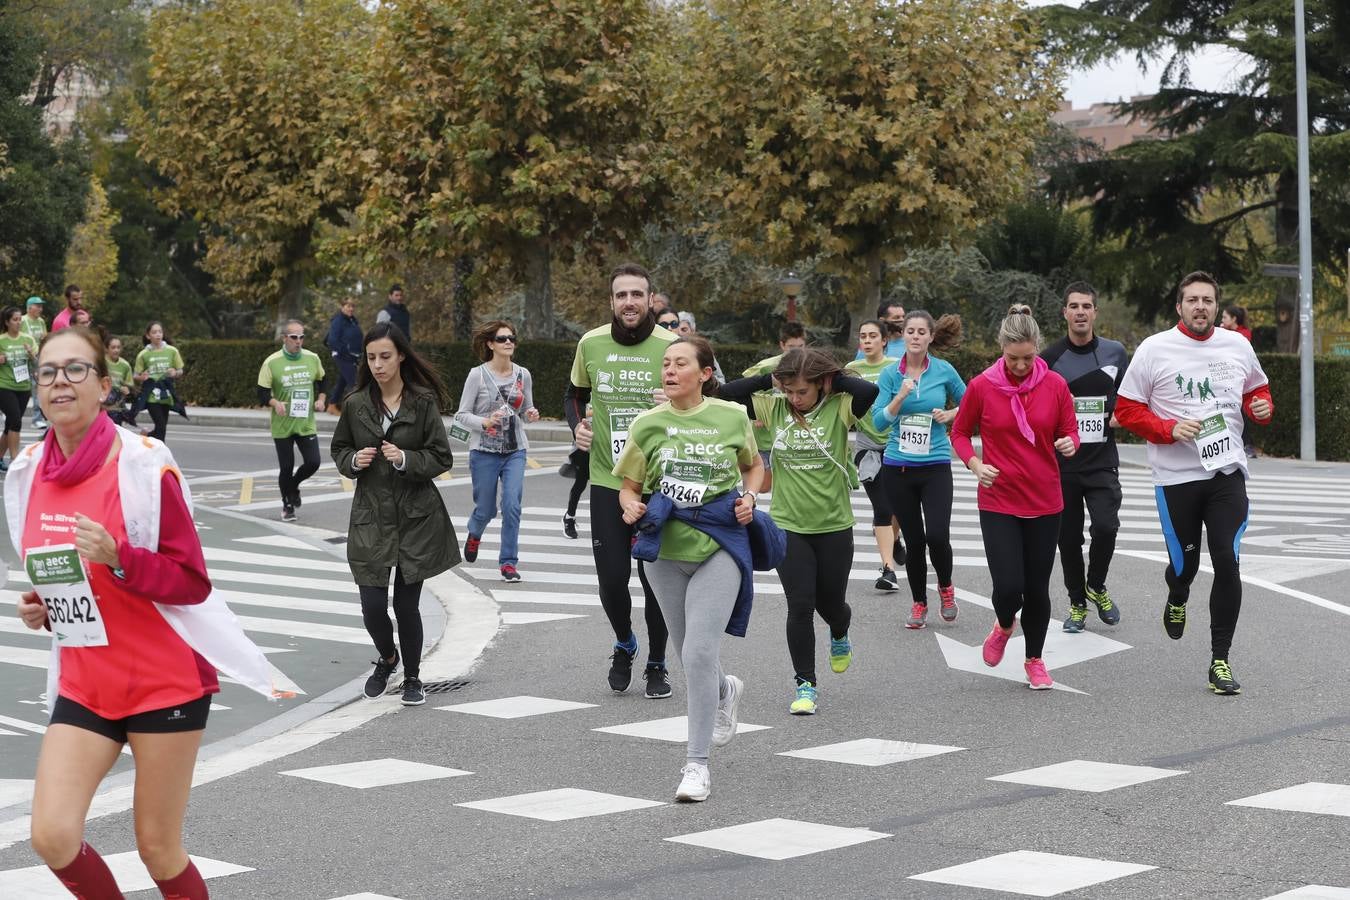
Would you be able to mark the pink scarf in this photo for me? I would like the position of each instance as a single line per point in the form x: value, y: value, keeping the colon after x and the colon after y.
x: 999, y: 379
x: 87, y: 459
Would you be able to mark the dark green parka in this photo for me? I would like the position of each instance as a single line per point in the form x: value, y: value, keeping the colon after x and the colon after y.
x: 398, y: 518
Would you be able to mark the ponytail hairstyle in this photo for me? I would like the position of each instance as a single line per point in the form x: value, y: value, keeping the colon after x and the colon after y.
x: 810, y: 365
x: 1019, y: 327
x: 417, y: 374
x: 703, y: 354
x: 946, y: 331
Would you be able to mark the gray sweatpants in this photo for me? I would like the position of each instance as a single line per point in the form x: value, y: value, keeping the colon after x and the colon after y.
x: 696, y: 600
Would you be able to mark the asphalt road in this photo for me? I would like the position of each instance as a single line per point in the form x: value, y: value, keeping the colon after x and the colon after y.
x: 938, y: 776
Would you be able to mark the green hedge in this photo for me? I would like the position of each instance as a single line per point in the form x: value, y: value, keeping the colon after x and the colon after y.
x: 225, y: 373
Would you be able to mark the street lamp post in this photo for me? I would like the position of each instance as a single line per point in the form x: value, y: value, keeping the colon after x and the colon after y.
x: 1307, y: 409
x: 792, y: 286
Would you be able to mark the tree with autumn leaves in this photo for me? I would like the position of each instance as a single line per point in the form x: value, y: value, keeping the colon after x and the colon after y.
x: 515, y: 135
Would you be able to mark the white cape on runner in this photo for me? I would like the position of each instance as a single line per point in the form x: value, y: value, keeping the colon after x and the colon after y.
x: 207, y: 627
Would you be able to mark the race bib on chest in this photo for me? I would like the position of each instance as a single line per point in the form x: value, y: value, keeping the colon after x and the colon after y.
x: 58, y: 577
x: 459, y: 433
x: 1217, y: 445
x: 686, y: 482
x: 21, y: 369
x: 916, y: 434
x: 618, y: 430
x: 1091, y: 413
x: 299, y: 405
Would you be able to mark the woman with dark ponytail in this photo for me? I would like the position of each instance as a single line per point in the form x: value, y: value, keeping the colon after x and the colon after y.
x: 808, y: 421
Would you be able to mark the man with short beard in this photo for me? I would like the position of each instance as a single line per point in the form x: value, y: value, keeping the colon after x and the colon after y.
x: 617, y: 371
x: 1185, y: 394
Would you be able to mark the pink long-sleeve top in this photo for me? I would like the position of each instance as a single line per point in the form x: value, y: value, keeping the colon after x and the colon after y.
x: 1028, y: 480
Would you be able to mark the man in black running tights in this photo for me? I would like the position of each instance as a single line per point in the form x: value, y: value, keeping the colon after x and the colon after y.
x: 1094, y: 367
x: 617, y: 370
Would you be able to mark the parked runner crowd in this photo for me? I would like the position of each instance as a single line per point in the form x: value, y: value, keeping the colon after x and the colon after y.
x: 677, y: 463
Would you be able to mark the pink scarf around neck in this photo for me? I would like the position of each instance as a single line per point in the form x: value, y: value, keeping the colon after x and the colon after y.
x: 999, y: 379
x: 87, y: 459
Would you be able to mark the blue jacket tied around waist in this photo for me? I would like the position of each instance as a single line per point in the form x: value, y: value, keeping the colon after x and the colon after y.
x: 759, y: 546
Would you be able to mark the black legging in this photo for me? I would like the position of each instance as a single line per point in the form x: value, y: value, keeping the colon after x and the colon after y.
x: 1220, y: 505
x: 814, y: 574
x: 288, y: 480
x: 921, y: 497
x: 12, y: 404
x: 159, y: 415
x: 375, y: 613
x: 876, y: 495
x: 1100, y: 490
x: 581, y: 461
x: 1021, y: 555
x: 612, y: 544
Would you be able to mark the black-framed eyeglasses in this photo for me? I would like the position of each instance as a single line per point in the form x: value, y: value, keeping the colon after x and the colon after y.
x: 504, y: 339
x: 75, y: 372
x: 670, y: 325
x: 296, y: 337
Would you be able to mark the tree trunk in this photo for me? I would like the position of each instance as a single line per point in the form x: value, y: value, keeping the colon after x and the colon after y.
x: 538, y: 266
x: 869, y: 297
x: 1286, y: 248
x: 462, y: 314
x: 291, y: 304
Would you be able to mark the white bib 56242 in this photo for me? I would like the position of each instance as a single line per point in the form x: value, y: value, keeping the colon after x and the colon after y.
x: 57, y: 574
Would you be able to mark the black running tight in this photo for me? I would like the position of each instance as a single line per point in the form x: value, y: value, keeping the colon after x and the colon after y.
x: 375, y: 612
x: 815, y: 579
x: 581, y: 461
x: 1219, y: 504
x: 921, y: 498
x: 1021, y: 555
x: 612, y: 544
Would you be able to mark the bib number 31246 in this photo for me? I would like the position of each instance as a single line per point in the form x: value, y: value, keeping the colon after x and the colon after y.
x: 57, y: 574
x: 1217, y: 445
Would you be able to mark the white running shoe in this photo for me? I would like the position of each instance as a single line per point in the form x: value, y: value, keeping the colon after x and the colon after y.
x: 696, y: 783
x: 724, y: 729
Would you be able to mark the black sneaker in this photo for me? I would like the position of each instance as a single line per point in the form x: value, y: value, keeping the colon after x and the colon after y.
x: 1221, y: 680
x: 413, y: 693
x: 287, y: 512
x: 295, y: 499
x: 887, y: 581
x: 1174, y: 620
x: 898, y: 552
x: 621, y: 669
x: 471, y: 548
x: 570, y: 526
x: 379, y: 679
x: 658, y: 683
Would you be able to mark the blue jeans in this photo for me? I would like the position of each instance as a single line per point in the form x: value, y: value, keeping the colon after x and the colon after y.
x: 487, y: 469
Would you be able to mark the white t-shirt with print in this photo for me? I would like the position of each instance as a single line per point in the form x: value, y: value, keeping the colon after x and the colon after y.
x: 1179, y: 377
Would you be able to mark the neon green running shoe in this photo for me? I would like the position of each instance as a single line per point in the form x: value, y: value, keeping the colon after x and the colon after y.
x: 1107, y: 610
x: 1174, y: 620
x: 804, y: 704
x: 841, y: 654
x: 1077, y: 616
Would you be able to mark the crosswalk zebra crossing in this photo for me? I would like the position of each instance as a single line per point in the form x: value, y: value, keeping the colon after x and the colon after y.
x: 1298, y: 529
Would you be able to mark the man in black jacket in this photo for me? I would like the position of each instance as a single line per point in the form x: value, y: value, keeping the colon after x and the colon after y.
x: 1094, y: 367
x: 396, y: 312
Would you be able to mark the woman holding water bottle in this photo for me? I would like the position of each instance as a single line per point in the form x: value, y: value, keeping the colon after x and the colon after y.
x: 497, y: 400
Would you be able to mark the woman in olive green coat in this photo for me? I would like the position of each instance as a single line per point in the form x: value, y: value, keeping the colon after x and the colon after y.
x: 390, y: 440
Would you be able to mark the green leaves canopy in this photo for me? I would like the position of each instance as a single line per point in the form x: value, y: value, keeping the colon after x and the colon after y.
x: 853, y: 130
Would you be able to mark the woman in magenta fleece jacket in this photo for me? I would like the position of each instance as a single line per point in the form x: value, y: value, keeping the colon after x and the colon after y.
x: 1024, y: 414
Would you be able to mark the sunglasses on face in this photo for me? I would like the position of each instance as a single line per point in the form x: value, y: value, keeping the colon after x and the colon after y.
x: 670, y: 325
x: 296, y: 337
x: 504, y: 339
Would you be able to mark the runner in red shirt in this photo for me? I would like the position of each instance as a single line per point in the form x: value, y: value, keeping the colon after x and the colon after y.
x: 1024, y: 413
x: 125, y: 674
